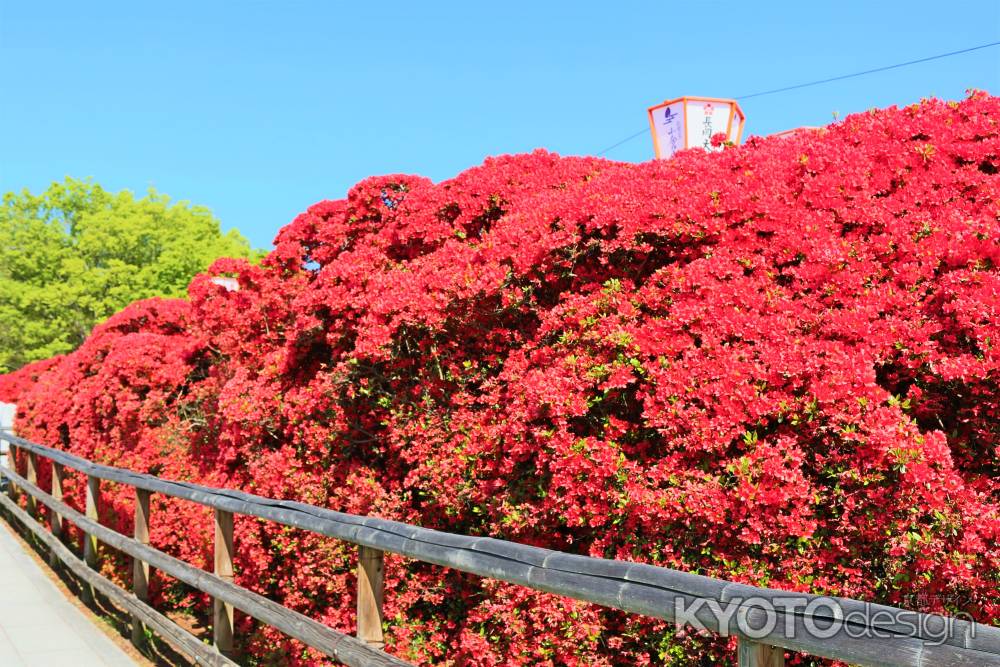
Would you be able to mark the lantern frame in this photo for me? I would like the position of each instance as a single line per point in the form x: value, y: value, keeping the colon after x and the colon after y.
x: 735, y: 113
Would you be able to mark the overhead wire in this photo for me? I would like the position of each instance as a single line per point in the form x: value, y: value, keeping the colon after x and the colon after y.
x: 827, y: 80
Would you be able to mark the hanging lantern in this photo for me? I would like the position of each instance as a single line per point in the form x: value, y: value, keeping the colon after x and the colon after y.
x: 229, y: 284
x: 784, y: 134
x: 689, y: 122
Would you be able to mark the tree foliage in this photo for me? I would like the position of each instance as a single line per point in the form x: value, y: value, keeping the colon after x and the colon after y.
x: 75, y: 254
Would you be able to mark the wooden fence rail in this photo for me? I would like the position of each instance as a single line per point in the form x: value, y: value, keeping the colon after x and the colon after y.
x: 765, y: 620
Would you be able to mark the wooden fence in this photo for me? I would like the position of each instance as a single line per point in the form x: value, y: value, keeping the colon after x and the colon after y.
x: 763, y: 620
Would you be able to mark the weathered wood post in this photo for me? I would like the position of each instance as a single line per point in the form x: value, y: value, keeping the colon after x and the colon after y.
x: 140, y: 568
x: 755, y: 654
x: 89, y: 540
x: 12, y: 464
x: 31, y: 474
x: 223, y: 611
x: 371, y: 567
x: 55, y: 519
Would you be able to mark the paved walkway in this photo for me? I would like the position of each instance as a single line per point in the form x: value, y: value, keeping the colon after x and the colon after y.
x: 39, y: 627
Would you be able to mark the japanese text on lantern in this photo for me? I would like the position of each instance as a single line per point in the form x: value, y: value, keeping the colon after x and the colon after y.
x: 689, y: 122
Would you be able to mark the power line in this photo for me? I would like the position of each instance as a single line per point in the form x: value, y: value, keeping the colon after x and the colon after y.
x: 829, y: 80
x: 870, y: 71
x: 624, y: 141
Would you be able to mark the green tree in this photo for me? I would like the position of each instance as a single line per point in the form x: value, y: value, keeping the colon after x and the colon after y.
x: 76, y: 254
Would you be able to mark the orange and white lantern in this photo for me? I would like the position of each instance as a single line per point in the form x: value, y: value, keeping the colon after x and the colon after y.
x: 784, y: 134
x: 689, y: 122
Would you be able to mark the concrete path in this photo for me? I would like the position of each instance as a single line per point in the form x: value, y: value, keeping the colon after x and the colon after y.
x: 39, y: 627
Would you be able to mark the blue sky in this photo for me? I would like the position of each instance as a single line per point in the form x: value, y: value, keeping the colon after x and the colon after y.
x: 257, y: 109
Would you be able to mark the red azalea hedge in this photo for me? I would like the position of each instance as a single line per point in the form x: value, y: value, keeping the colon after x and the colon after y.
x: 776, y: 364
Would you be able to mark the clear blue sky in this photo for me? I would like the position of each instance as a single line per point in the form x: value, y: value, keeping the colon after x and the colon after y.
x: 257, y: 109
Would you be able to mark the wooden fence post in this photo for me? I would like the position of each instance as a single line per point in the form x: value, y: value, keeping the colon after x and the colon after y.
x: 12, y: 464
x: 755, y: 654
x: 55, y: 519
x: 140, y: 568
x: 31, y: 474
x: 90, y: 541
x: 371, y: 566
x: 223, y: 611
